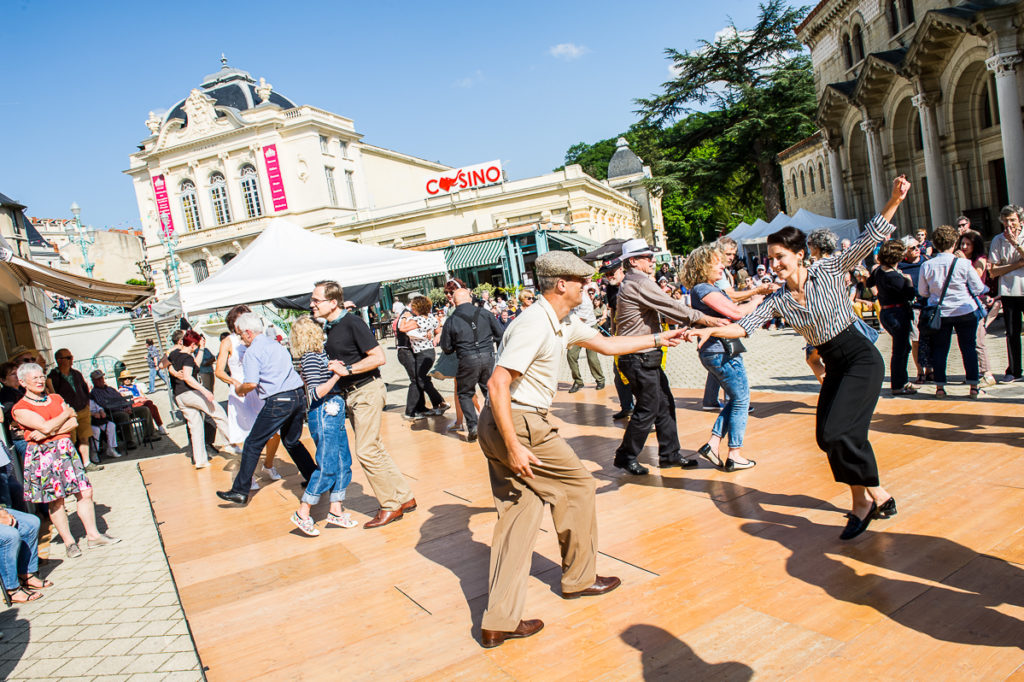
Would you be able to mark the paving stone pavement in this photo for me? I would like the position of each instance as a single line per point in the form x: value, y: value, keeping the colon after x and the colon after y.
x: 114, y: 614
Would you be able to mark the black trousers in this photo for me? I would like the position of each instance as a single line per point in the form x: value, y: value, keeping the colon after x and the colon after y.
x: 897, y: 322
x: 1013, y: 317
x: 420, y: 384
x: 654, y: 407
x: 474, y: 370
x: 853, y: 379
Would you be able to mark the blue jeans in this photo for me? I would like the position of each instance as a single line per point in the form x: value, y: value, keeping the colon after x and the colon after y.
x: 966, y: 328
x: 732, y: 375
x: 152, y: 378
x: 334, y: 461
x: 18, y: 554
x: 284, y: 412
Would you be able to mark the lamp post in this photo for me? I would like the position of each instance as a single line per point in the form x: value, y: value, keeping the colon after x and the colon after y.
x: 170, y: 240
x: 79, y: 235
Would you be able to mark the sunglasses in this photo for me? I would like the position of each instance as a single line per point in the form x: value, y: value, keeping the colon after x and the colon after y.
x: 27, y: 360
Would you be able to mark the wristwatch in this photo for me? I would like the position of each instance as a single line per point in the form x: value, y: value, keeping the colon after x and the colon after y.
x: 348, y: 368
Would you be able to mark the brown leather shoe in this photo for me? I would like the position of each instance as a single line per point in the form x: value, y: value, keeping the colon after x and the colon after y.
x: 492, y: 638
x: 384, y: 517
x: 408, y: 506
x: 600, y: 586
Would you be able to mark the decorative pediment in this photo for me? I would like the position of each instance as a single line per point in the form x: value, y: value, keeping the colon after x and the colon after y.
x: 203, y: 121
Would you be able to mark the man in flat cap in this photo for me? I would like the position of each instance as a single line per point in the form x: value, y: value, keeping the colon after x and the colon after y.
x: 530, y: 464
x: 640, y: 306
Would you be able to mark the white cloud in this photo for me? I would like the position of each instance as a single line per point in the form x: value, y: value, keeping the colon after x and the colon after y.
x: 568, y: 51
x: 469, y: 81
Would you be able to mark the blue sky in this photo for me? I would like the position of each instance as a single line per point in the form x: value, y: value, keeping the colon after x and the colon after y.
x: 455, y: 82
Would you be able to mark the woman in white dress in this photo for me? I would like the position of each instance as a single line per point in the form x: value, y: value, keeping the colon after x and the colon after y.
x: 242, y: 411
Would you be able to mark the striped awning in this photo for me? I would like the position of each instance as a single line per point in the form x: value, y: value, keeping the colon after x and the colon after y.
x: 475, y: 255
x: 574, y: 241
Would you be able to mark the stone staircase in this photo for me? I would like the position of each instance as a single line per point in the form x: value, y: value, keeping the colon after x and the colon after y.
x: 135, y: 357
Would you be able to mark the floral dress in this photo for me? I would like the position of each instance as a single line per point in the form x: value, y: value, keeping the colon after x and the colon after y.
x: 53, y: 467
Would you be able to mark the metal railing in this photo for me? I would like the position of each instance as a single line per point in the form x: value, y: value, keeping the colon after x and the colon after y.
x: 69, y: 309
x: 103, y: 362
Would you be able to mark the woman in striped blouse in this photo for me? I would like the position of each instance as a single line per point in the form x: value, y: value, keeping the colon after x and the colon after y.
x: 815, y: 303
x: 326, y: 418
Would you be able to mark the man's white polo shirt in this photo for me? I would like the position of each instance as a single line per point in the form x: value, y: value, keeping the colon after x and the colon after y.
x: 534, y: 345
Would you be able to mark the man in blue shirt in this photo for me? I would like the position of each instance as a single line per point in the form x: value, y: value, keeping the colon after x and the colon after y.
x: 269, y: 367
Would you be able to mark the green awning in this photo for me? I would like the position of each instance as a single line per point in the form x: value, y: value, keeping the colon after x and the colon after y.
x: 574, y: 241
x: 475, y: 255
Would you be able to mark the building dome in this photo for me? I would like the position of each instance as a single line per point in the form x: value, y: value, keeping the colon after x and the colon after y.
x: 230, y: 87
x: 624, y: 161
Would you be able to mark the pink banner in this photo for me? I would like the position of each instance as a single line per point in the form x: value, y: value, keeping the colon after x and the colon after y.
x: 277, y: 196
x: 163, y: 206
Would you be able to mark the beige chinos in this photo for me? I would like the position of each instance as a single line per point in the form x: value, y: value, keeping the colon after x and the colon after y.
x: 365, y: 406
x: 560, y: 480
x: 193, y: 406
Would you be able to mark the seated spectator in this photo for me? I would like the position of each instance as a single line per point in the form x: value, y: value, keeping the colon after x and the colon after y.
x: 130, y: 390
x: 19, y: 557
x: 102, y: 423
x: 863, y: 296
x: 118, y: 407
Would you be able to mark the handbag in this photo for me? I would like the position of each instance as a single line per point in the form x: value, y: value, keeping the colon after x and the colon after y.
x: 733, y: 347
x: 445, y: 367
x: 931, y: 317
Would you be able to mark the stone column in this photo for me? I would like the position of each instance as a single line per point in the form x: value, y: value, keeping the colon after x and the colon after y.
x: 932, y: 159
x: 879, y: 192
x: 835, y: 171
x: 1012, y: 128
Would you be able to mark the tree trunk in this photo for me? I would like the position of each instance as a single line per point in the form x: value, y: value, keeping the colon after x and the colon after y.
x: 769, y: 183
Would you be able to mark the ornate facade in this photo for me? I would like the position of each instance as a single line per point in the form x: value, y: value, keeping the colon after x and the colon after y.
x: 929, y: 88
x: 235, y: 153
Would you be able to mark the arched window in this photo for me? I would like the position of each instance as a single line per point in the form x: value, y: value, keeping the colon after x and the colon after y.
x: 858, y: 42
x: 251, y: 192
x: 190, y: 206
x: 199, y: 270
x: 226, y: 258
x: 847, y: 51
x: 908, y: 11
x: 796, y: 190
x: 892, y: 13
x: 219, y: 197
x: 821, y: 174
x: 803, y: 183
x: 810, y: 171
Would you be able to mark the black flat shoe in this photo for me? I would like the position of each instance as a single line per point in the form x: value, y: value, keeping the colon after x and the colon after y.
x: 730, y: 465
x: 237, y: 498
x: 634, y: 468
x: 856, y: 525
x: 622, y: 414
x: 887, y: 509
x: 710, y: 455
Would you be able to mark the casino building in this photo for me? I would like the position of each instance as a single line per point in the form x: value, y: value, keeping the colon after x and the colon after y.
x: 930, y: 88
x: 235, y: 153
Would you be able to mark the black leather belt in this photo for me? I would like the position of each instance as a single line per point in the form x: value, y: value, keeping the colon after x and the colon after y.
x: 359, y: 384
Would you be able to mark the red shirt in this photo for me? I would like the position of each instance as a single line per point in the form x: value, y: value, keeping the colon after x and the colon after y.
x: 47, y: 411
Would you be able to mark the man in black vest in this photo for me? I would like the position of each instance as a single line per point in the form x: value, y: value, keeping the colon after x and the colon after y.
x: 471, y: 332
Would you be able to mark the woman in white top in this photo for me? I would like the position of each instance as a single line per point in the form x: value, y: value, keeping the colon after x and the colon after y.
x: 242, y: 412
x: 960, y: 310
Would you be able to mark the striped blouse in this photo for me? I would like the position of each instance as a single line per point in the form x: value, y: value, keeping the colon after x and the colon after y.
x: 827, y: 310
x: 313, y: 367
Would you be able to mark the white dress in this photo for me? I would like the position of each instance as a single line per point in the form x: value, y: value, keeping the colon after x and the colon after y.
x: 241, y: 411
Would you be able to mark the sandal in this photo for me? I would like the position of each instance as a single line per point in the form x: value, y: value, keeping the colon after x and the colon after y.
x: 342, y: 520
x: 906, y: 390
x: 975, y: 393
x: 940, y: 392
x: 45, y: 583
x: 306, y: 525
x: 29, y: 595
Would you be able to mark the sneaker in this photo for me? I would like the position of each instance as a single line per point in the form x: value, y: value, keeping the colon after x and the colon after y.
x: 305, y: 525
x: 115, y: 453
x: 413, y: 417
x: 90, y: 467
x: 441, y: 409
x: 73, y: 551
x: 255, y: 484
x: 1009, y: 379
x: 232, y: 449
x: 711, y: 408
x: 272, y: 473
x: 103, y: 540
x: 342, y: 520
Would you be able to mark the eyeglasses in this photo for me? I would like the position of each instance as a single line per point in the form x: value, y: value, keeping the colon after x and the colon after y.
x: 317, y: 301
x: 26, y: 360
x: 527, y: 298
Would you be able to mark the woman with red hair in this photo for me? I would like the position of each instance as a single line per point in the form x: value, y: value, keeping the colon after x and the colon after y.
x: 193, y: 399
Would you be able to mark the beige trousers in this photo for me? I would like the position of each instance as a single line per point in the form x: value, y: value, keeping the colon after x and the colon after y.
x: 365, y: 406
x: 560, y: 480
x: 193, y: 406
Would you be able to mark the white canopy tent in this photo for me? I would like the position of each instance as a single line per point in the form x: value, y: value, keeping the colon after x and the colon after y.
x: 286, y: 260
x: 807, y: 222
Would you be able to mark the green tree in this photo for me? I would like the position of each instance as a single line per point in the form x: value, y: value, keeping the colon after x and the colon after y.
x: 750, y: 93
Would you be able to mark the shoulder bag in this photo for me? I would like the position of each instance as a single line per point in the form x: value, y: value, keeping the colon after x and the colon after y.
x: 931, y: 317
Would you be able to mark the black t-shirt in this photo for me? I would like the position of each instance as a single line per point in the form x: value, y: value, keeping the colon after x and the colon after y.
x: 349, y: 339
x: 893, y: 287
x: 179, y: 361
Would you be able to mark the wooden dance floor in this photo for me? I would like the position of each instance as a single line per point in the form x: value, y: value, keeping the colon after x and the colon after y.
x: 725, y: 576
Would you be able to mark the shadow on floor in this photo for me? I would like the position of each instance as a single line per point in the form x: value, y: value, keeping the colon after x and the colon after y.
x: 665, y: 657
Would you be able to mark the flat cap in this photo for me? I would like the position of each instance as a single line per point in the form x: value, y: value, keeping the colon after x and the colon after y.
x: 561, y: 264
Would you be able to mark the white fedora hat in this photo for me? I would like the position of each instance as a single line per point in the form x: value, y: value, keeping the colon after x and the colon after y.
x: 635, y: 247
